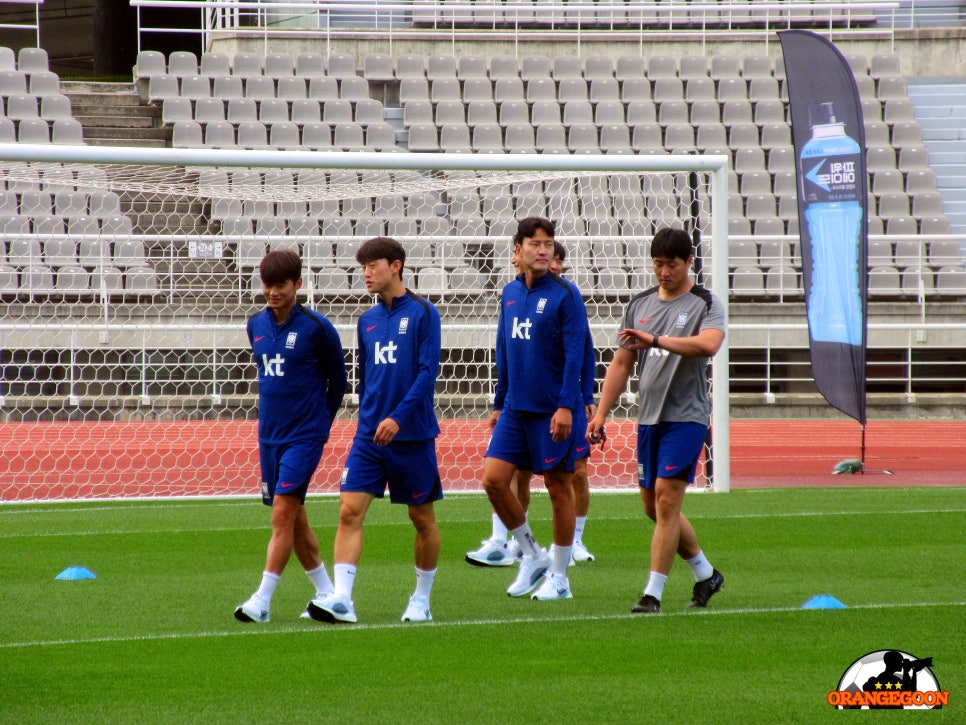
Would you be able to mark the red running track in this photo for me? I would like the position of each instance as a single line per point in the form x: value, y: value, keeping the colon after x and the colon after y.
x: 45, y: 461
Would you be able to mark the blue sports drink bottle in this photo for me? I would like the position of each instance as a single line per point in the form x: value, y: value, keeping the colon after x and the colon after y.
x: 830, y: 166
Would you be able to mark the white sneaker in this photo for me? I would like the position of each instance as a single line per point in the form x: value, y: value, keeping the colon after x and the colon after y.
x: 581, y: 553
x: 493, y: 552
x: 532, y: 569
x: 514, y: 547
x: 332, y: 608
x: 318, y: 595
x: 553, y: 548
x: 254, y: 610
x: 553, y: 587
x: 417, y: 611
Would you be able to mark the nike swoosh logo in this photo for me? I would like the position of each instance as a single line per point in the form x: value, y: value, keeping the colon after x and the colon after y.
x: 646, y: 319
x: 581, y: 449
x: 371, y: 328
x: 419, y: 495
x: 259, y: 338
x: 669, y: 468
x: 549, y: 460
x: 285, y: 485
x: 511, y: 302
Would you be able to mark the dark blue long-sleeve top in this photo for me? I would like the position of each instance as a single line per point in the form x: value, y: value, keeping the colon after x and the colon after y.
x: 541, y: 346
x: 301, y: 375
x: 398, y: 357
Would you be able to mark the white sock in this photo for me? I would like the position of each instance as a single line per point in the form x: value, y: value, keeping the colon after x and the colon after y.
x: 499, y: 529
x: 267, y: 588
x: 655, y: 585
x: 345, y: 578
x: 579, y: 530
x: 561, y: 559
x: 524, y: 537
x: 700, y: 567
x: 320, y: 577
x: 424, y: 582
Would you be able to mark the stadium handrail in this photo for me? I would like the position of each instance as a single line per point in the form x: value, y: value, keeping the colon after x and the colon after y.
x: 35, y: 25
x: 79, y: 334
x: 710, y: 18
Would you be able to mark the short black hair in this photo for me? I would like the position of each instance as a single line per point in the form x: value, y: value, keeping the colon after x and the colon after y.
x: 382, y: 248
x: 531, y: 224
x: 672, y: 243
x: 279, y: 266
x: 559, y: 250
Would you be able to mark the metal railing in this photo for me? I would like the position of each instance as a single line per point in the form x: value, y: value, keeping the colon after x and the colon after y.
x: 524, y: 20
x: 26, y: 26
x: 207, y: 360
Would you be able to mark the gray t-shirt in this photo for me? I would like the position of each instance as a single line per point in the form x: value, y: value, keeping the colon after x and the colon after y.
x: 671, y: 387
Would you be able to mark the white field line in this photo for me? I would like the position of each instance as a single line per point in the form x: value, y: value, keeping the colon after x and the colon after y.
x: 446, y: 521
x: 249, y: 630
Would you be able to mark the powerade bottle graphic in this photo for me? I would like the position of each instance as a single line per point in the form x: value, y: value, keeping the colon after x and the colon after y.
x: 830, y: 165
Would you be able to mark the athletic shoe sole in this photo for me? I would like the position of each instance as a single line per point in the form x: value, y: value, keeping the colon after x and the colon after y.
x: 324, y: 615
x: 505, y: 561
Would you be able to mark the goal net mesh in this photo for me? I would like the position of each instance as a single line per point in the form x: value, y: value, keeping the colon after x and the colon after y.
x: 124, y: 365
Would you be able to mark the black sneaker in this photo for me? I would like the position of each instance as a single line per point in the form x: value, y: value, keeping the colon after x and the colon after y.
x: 703, y: 590
x: 647, y: 605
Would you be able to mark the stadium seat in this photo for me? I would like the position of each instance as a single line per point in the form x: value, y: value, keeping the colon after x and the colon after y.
x: 279, y: 65
x: 140, y: 280
x: 309, y: 65
x: 291, y: 88
x: 748, y: 281
x: 951, y: 281
x: 214, y: 64
x: 36, y: 279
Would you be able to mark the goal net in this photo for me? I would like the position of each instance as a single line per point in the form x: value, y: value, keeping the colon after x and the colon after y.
x: 128, y: 275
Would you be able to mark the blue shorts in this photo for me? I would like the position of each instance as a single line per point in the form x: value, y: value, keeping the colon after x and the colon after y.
x: 581, y: 444
x: 523, y: 439
x: 409, y: 468
x: 668, y: 450
x: 287, y: 468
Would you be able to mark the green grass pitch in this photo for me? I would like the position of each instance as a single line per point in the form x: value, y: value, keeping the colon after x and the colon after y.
x: 152, y: 638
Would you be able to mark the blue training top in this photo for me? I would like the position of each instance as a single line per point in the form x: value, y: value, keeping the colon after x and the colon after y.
x: 398, y: 358
x: 541, y: 346
x: 301, y: 375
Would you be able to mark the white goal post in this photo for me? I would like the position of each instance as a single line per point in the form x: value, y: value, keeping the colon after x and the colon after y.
x: 96, y: 376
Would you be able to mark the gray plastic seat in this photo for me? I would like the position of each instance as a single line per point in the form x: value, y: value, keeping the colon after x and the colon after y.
x: 279, y: 65
x: 246, y: 65
x: 309, y: 65
x: 214, y: 64
x: 291, y: 88
x: 305, y: 110
x: 32, y: 60
x: 186, y: 135
x: 67, y: 131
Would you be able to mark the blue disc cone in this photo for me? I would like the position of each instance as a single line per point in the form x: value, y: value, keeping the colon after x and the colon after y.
x: 72, y: 573
x: 823, y: 601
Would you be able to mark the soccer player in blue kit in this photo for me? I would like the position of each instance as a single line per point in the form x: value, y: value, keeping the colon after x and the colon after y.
x: 495, y: 550
x: 399, y: 346
x: 539, y: 355
x: 669, y: 332
x: 301, y: 383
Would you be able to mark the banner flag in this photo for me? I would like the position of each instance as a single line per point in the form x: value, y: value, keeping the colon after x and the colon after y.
x: 829, y: 138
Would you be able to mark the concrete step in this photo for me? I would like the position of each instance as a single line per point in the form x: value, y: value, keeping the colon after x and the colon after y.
x: 946, y: 157
x: 116, y: 121
x: 95, y: 87
x: 84, y: 107
x: 104, y: 100
x: 923, y: 113
x: 117, y: 132
x: 127, y: 142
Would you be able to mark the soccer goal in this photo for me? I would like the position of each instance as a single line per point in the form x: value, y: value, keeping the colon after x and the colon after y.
x: 128, y: 274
